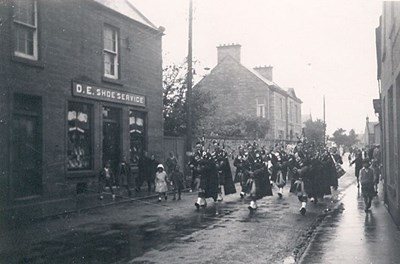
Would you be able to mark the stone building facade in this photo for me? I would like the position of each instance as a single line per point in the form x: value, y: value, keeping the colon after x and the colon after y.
x: 388, y: 65
x: 81, y: 84
x: 252, y: 92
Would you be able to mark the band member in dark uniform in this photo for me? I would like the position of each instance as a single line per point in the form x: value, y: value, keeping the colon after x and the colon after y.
x: 242, y: 165
x: 207, y: 173
x: 225, y: 180
x: 258, y: 183
x: 193, y: 163
x: 278, y: 159
x: 301, y: 175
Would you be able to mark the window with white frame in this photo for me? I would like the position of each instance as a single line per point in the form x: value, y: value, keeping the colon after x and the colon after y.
x: 261, y: 107
x: 110, y: 52
x: 281, y: 107
x: 25, y: 29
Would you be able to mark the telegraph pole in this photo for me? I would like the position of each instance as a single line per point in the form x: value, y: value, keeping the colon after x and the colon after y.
x: 189, y: 80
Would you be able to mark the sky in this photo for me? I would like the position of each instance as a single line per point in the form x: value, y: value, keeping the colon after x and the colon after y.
x: 319, y: 48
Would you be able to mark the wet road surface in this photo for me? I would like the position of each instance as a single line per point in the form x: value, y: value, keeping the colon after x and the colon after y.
x: 354, y: 236
x: 167, y: 232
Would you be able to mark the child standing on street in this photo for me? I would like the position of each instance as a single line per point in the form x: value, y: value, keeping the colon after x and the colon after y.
x: 367, y: 184
x: 161, y: 182
x: 105, y: 179
x: 177, y: 182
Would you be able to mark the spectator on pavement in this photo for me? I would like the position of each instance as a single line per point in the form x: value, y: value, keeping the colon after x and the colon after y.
x: 171, y: 163
x: 358, y: 160
x: 143, y: 164
x: 147, y: 172
x: 161, y: 182
x: 367, y: 184
x: 124, y: 175
x: 177, y: 182
x: 377, y: 172
x: 377, y: 154
x: 105, y: 179
x: 152, y: 169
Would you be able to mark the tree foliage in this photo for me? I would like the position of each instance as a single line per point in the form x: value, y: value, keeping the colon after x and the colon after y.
x: 240, y: 125
x: 175, y: 103
x: 339, y: 137
x: 342, y: 139
x: 315, y: 130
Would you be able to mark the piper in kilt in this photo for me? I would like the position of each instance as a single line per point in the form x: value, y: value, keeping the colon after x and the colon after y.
x: 302, y: 181
x: 242, y: 165
x: 220, y: 158
x: 208, y: 180
x: 279, y: 160
x: 193, y: 164
x: 258, y: 184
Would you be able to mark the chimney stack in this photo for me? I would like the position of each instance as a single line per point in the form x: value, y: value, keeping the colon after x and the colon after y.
x: 265, y: 71
x: 232, y: 50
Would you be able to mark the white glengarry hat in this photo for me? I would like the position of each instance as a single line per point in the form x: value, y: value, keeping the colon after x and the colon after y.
x: 160, y: 166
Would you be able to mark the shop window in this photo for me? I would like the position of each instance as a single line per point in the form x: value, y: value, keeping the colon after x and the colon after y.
x: 110, y: 52
x: 79, y: 136
x: 137, y: 135
x: 25, y: 29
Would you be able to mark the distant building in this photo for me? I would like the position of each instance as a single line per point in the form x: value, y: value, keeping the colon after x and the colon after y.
x: 369, y: 138
x: 377, y: 133
x: 388, y: 107
x: 240, y: 90
x: 81, y: 84
x: 305, y: 118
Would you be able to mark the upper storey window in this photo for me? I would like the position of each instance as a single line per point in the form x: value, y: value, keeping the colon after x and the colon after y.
x: 111, y: 52
x: 25, y: 29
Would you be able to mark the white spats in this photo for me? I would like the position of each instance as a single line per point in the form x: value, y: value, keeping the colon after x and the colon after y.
x: 253, y: 205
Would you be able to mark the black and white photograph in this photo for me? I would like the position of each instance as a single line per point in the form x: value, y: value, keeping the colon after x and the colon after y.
x: 199, y: 131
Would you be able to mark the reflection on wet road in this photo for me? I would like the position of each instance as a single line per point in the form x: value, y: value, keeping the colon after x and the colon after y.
x: 120, y: 241
x: 354, y: 236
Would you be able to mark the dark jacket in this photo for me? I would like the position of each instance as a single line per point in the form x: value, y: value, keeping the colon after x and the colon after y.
x: 208, y: 174
x: 177, y: 179
x: 225, y: 175
x: 261, y: 178
x: 358, y: 162
x: 124, y: 173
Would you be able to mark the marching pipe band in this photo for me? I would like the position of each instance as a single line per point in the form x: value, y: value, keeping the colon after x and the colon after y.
x: 309, y: 166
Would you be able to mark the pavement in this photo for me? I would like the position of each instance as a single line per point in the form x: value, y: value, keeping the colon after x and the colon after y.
x: 79, y: 203
x: 351, y: 235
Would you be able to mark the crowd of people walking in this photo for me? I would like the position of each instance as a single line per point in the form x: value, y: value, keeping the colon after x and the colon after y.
x: 311, y: 168
x: 367, y: 161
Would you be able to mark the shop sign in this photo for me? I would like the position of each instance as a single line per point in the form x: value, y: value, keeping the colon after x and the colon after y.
x: 105, y: 94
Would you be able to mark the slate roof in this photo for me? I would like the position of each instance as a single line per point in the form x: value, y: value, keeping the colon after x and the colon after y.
x: 126, y: 8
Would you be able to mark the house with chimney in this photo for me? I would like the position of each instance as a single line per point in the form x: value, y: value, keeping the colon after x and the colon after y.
x: 239, y: 90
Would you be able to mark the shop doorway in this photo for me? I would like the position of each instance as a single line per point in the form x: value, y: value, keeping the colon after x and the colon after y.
x: 26, y: 147
x: 111, y: 137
